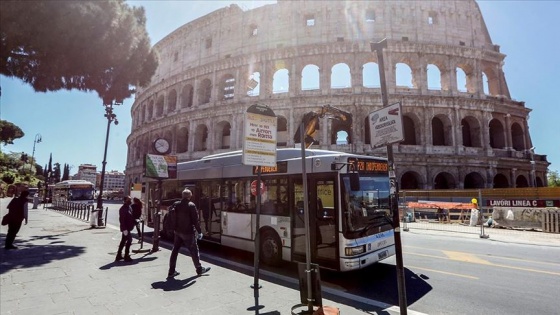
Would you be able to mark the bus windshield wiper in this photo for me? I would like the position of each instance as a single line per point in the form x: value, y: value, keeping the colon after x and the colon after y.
x: 373, y: 222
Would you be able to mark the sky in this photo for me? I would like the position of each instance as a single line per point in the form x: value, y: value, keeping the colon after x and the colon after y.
x: 72, y: 126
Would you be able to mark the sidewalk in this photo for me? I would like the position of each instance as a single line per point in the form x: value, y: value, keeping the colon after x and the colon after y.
x: 63, y: 266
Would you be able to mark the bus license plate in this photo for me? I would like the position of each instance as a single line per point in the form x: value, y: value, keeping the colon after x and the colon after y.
x: 382, y: 255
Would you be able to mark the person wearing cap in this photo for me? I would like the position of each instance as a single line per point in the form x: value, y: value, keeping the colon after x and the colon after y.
x: 127, y: 223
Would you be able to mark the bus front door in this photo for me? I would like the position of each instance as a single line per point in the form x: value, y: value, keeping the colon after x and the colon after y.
x: 322, y: 222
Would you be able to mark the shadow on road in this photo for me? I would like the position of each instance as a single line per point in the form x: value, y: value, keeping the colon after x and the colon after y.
x: 173, y: 284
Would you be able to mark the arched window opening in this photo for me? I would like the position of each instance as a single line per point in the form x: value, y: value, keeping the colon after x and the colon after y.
x: 201, y: 136
x: 223, y: 137
x: 187, y: 96
x: 254, y: 84
x: 340, y: 133
x: 310, y: 78
x: 461, y: 80
x: 497, y: 137
x: 340, y: 76
x: 444, y: 181
x: 144, y: 109
x: 438, y: 132
x: 172, y: 101
x: 151, y: 110
x: 183, y: 140
x: 159, y: 106
x: 204, y: 92
x: 403, y: 75
x: 409, y: 130
x: 500, y: 181
x: 517, y: 137
x: 434, y: 77
x: 282, y: 131
x: 521, y: 182
x: 485, y: 84
x: 473, y: 180
x: 466, y: 131
x: 370, y: 75
x: 281, y: 81
x: 410, y: 180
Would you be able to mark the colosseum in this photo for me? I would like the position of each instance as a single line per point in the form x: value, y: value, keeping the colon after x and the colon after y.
x: 461, y: 127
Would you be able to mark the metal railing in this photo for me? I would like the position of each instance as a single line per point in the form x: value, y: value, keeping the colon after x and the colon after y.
x: 77, y: 210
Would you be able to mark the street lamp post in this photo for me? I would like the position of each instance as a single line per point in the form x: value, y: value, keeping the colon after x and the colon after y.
x: 533, y: 171
x: 110, y: 118
x: 38, y: 139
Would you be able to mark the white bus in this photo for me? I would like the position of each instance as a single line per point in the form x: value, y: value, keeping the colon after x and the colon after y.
x: 81, y: 191
x: 348, y: 201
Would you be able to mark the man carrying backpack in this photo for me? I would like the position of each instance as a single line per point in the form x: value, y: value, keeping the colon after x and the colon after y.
x: 187, y: 231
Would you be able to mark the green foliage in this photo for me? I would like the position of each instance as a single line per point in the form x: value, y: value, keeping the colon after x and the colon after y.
x: 9, y: 132
x: 8, y: 177
x: 553, y: 179
x: 100, y: 46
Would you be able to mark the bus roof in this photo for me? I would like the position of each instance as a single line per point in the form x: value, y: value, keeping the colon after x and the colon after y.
x: 70, y: 182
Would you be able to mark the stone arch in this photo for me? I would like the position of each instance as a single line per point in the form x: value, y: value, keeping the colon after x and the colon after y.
x: 340, y: 76
x: 444, y: 180
x: 151, y: 110
x: 187, y: 96
x: 341, y: 133
x: 473, y: 180
x: 484, y: 79
x: 403, y: 75
x: 227, y: 87
x: 465, y: 78
x: 370, y: 75
x: 441, y: 131
x: 204, y: 91
x: 540, y: 182
x: 223, y: 135
x: 500, y: 181
x: 491, y: 78
x: 172, y: 101
x: 143, y: 109
x: 410, y: 131
x: 521, y: 181
x: 183, y: 139
x: 517, y: 137
x: 471, y: 133
x: 433, y: 74
x: 411, y: 180
x: 200, y: 138
x: 159, y: 106
x: 310, y: 78
x: 281, y: 81
x: 282, y: 131
x: 497, y: 138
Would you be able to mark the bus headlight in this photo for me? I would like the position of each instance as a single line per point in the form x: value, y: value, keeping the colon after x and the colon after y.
x: 353, y: 251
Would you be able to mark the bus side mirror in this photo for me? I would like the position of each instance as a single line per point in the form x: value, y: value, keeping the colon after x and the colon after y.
x: 354, y: 182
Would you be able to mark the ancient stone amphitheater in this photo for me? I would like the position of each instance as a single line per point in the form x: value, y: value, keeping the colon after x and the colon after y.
x: 462, y: 129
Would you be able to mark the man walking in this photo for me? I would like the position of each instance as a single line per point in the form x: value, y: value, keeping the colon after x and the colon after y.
x: 185, y: 226
x: 127, y: 223
x: 17, y: 212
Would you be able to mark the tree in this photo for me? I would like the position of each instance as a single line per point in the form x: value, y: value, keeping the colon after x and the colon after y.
x: 100, y: 46
x: 56, y: 174
x: 66, y: 172
x: 553, y: 179
x: 9, y: 132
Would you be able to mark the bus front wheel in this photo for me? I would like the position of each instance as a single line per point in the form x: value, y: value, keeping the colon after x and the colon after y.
x: 271, y: 248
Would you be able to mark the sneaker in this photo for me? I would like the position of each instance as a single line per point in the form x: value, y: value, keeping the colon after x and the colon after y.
x: 119, y: 257
x: 172, y: 274
x: 11, y: 247
x: 202, y: 270
x: 127, y: 259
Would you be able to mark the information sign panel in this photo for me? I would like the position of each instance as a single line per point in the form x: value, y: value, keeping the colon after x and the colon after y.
x: 385, y: 126
x: 259, y: 141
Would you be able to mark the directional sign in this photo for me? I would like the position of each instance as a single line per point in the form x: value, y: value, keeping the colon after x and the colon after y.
x: 385, y: 126
x: 259, y: 142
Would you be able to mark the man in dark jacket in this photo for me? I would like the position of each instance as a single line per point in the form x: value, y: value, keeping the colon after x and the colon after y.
x: 187, y: 231
x: 127, y: 223
x: 17, y: 213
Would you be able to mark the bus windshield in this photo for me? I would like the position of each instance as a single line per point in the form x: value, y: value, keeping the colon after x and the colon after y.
x: 80, y: 194
x: 366, y: 211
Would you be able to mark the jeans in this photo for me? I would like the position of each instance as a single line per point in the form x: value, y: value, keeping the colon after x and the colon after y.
x: 13, y: 229
x: 126, y: 240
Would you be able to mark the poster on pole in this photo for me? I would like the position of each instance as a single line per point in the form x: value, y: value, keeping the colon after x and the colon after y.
x: 259, y: 138
x: 385, y: 126
x: 160, y: 166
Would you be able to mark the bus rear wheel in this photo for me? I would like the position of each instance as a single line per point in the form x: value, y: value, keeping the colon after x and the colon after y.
x: 271, y: 248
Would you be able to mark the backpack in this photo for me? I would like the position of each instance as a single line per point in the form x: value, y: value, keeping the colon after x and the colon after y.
x: 170, y: 221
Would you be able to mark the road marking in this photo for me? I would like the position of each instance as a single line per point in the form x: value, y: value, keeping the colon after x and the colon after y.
x: 444, y: 272
x: 465, y: 257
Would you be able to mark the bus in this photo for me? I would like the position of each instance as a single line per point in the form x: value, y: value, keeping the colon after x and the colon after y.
x: 348, y: 202
x: 81, y: 191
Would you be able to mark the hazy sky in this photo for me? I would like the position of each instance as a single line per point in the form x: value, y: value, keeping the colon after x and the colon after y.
x: 73, y: 128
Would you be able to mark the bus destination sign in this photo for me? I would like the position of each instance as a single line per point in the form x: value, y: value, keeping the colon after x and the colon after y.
x: 279, y: 168
x: 368, y: 166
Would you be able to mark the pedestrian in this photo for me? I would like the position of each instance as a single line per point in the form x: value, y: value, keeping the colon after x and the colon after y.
x: 207, y: 207
x: 137, y: 206
x: 187, y: 231
x: 127, y: 222
x: 17, y: 212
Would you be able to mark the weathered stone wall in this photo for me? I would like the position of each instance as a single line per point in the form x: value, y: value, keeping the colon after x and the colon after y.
x: 474, y: 136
